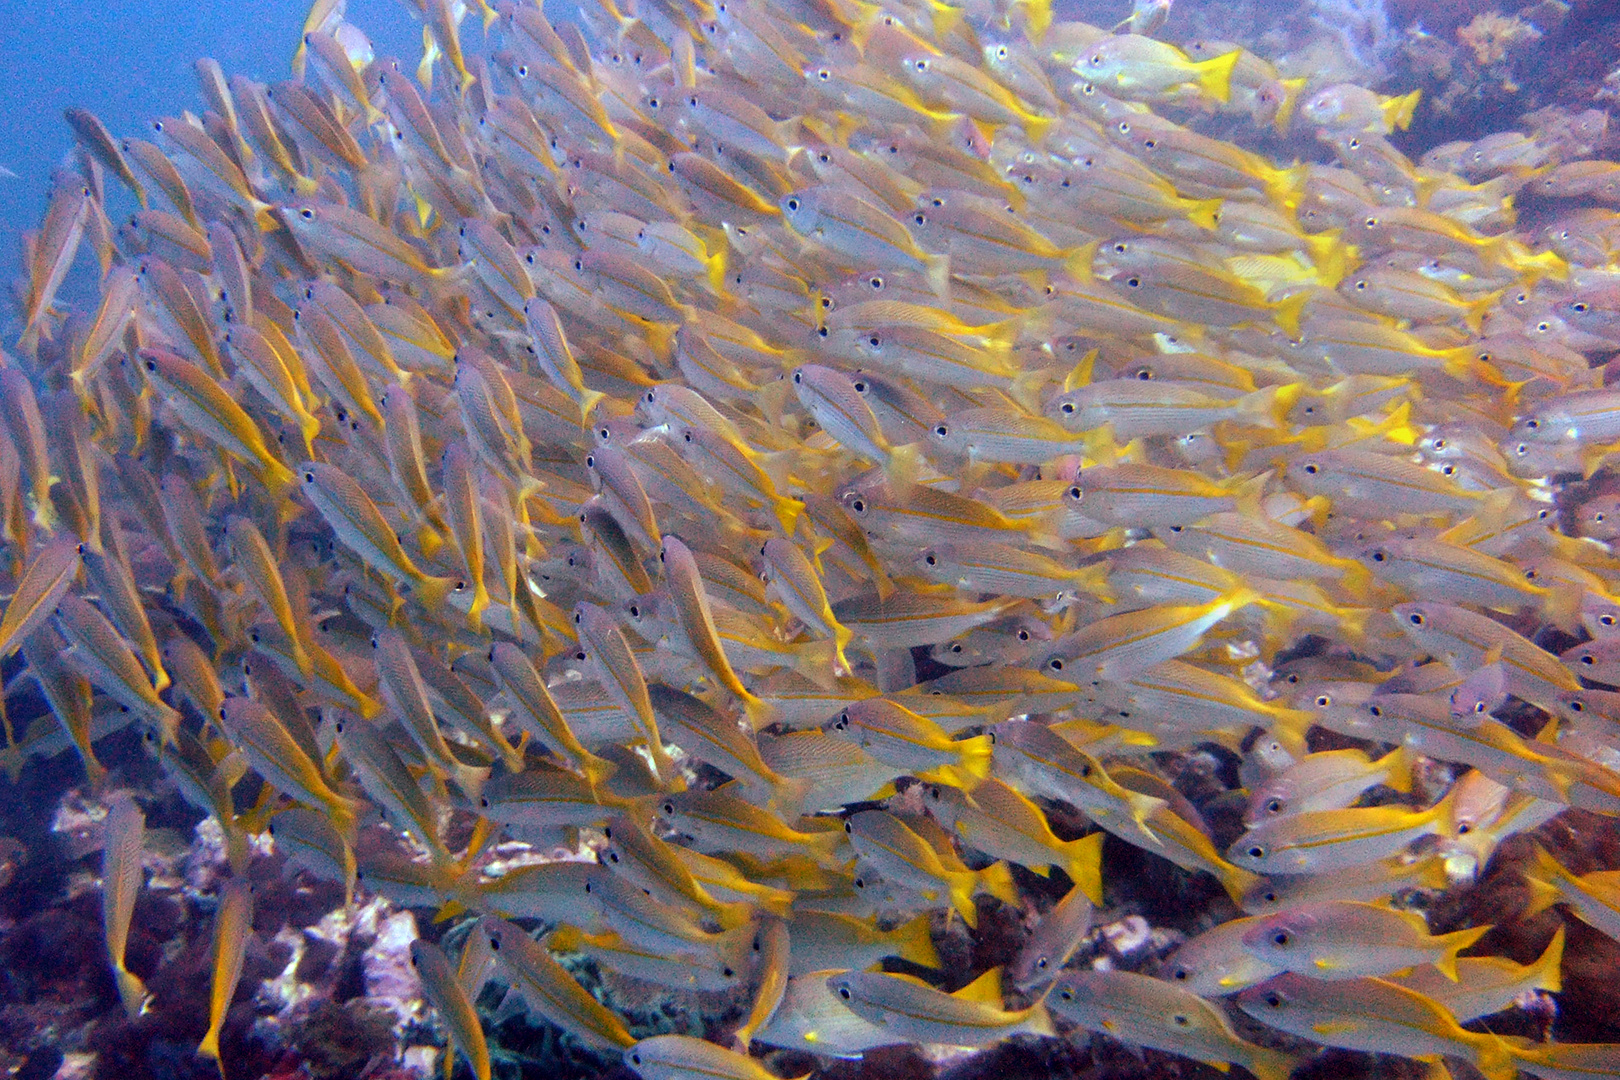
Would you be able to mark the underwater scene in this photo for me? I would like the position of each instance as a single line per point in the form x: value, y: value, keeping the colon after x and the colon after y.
x: 769, y: 539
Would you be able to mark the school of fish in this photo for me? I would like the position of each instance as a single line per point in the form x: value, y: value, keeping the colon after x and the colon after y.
x: 828, y: 465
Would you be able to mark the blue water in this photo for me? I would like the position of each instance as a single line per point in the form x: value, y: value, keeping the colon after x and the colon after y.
x: 129, y: 61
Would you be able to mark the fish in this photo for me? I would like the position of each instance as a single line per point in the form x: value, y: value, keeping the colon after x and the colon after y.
x: 781, y: 452
x: 1348, y: 939
x: 122, y: 877
x: 681, y: 1057
x: 1312, y: 841
x: 451, y: 1002
x: 1371, y: 1013
x: 913, y: 1011
x: 1148, y: 1012
x: 233, y: 926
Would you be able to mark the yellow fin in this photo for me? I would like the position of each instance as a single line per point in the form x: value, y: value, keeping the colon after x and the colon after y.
x: 985, y: 989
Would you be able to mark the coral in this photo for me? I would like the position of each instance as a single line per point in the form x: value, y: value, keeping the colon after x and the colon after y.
x: 1493, y: 35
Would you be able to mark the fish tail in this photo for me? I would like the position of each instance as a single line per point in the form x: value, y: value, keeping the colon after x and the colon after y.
x: 1036, y: 128
x: 1038, y: 1021
x: 997, y: 880
x: 1549, y: 967
x: 428, y: 540
x: 788, y: 794
x: 1454, y: 944
x: 1037, y: 18
x: 1085, y: 865
x: 939, y: 275
x: 480, y: 602
x: 1543, y: 893
x: 1215, y: 75
x: 209, y: 1047
x: 1398, y: 110
x: 1203, y: 212
x: 1287, y: 312
x: 1268, y: 1064
x: 973, y: 758
x: 1496, y: 1058
x: 301, y: 657
x: 131, y: 991
x: 434, y: 592
x: 264, y: 216
x: 1238, y: 882
x: 902, y: 466
x: 1562, y: 605
x: 1330, y: 255
x: 1285, y: 111
x: 1270, y: 405
x: 1399, y: 777
x: 787, y: 512
x: 913, y: 942
x: 1474, y: 313
x: 759, y: 711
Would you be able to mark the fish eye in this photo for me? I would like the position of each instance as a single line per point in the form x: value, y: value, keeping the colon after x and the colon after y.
x: 668, y: 807
x: 1416, y: 618
x: 920, y: 219
x: 824, y: 75
x: 635, y: 611
x: 1282, y: 937
x: 1323, y: 701
x: 921, y: 65
x: 1134, y: 282
x: 876, y: 281
x: 307, y: 214
x: 859, y: 506
x: 1023, y: 635
x: 956, y: 648
x: 1312, y: 469
x: 942, y: 431
x: 874, y: 341
x: 1274, y: 806
x: 931, y: 559
x: 1075, y: 492
x: 309, y: 478
x: 1378, y: 556
x: 635, y: 1059
x: 1040, y: 965
x: 1067, y: 408
x: 1274, y: 999
x: 1124, y: 127
x: 860, y: 387
x: 1577, y: 705
x: 1121, y: 248
x: 1181, y: 974
x: 1056, y: 663
x: 1256, y: 851
x: 843, y: 992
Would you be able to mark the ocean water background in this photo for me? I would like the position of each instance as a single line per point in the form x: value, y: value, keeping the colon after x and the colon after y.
x: 129, y: 61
